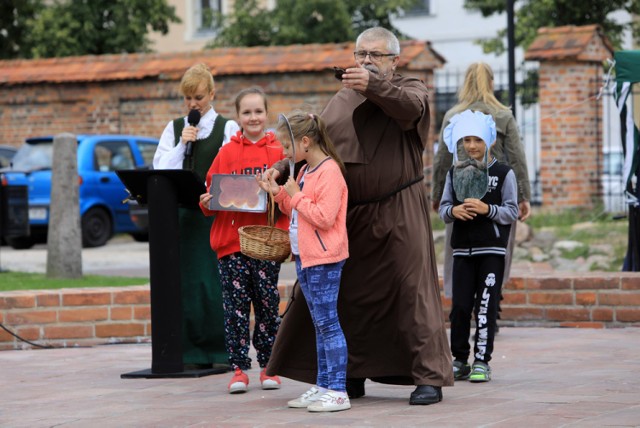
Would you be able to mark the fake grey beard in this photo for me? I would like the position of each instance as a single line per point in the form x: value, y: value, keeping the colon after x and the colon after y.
x: 471, y: 162
x: 470, y: 179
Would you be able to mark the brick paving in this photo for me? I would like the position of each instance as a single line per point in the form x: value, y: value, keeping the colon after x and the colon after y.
x: 541, y: 378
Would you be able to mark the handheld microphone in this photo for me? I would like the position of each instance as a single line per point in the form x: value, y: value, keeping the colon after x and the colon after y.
x: 193, y: 119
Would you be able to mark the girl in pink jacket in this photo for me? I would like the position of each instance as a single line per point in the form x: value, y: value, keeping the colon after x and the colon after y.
x: 316, y: 203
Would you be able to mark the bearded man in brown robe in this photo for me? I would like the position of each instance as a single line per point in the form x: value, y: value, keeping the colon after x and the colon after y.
x: 389, y: 302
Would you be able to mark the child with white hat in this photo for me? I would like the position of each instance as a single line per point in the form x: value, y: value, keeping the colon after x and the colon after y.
x: 480, y: 199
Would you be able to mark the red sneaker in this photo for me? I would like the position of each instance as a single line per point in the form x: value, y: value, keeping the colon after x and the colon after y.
x: 239, y: 382
x: 269, y: 382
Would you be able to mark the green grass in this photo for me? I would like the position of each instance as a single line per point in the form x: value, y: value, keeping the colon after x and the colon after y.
x: 575, y: 253
x: 568, y: 218
x: 436, y: 221
x: 37, y: 281
x: 591, y: 228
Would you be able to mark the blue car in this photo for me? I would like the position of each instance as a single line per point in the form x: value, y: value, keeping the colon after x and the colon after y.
x: 102, y: 210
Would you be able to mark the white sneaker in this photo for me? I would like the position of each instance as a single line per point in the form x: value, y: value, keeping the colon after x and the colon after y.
x: 331, y: 401
x: 305, y: 399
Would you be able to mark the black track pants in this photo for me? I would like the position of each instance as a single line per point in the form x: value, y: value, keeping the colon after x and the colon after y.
x: 476, y: 285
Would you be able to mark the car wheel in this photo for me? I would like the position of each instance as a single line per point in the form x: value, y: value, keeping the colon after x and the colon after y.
x: 96, y: 228
x: 21, y: 242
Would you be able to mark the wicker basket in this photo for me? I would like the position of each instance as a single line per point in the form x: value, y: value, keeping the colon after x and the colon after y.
x: 265, y: 242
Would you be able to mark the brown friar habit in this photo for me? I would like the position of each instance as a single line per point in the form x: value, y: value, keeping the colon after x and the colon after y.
x: 389, y: 302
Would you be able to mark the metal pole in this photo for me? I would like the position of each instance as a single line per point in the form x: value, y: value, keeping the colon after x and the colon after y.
x: 511, y: 45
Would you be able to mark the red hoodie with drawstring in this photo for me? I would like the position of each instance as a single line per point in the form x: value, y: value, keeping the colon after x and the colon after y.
x: 241, y: 156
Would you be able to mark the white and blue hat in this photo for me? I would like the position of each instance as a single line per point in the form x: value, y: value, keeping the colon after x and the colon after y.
x: 466, y: 124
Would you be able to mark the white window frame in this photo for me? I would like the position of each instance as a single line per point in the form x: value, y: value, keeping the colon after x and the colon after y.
x: 428, y: 10
x: 199, y: 30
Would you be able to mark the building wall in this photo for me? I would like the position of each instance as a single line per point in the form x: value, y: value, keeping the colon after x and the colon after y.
x: 457, y: 41
x: 453, y: 30
x: 186, y: 36
x: 144, y: 107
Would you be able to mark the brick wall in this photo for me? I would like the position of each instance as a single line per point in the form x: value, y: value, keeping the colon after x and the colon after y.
x: 570, y: 76
x: 77, y: 317
x: 569, y: 143
x: 594, y: 300
x: 81, y: 316
x: 144, y: 107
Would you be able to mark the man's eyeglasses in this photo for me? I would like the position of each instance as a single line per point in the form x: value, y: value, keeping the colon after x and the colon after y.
x: 375, y: 56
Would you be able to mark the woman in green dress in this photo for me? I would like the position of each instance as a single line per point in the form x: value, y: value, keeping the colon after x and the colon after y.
x: 202, y: 326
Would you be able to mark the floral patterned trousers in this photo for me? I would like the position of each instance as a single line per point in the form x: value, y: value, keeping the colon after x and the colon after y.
x: 245, y: 281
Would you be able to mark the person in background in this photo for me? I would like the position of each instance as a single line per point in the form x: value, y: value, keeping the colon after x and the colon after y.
x: 479, y: 238
x: 389, y: 304
x: 203, y: 329
x: 317, y: 205
x: 476, y: 93
x: 246, y: 281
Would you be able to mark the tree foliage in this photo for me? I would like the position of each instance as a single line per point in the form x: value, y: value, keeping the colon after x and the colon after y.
x: 533, y: 14
x: 311, y: 21
x: 85, y: 27
x: 247, y: 25
x: 376, y: 13
x: 15, y: 16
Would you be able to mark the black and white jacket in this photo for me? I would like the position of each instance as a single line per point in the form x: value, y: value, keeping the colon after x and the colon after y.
x: 485, y: 234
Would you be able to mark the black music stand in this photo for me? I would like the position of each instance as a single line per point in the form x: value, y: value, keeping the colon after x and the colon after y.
x: 164, y: 191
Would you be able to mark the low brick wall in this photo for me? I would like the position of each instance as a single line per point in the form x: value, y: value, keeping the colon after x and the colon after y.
x: 89, y: 316
x: 81, y: 316
x: 75, y: 316
x: 591, y: 300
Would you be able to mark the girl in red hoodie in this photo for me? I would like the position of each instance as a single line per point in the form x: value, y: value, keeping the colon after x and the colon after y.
x: 317, y: 204
x: 246, y: 280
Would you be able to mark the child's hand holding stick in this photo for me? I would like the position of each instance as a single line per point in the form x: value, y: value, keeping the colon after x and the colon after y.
x: 267, y: 182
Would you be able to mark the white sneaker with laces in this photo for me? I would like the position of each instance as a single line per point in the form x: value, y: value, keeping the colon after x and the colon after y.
x: 331, y: 401
x: 305, y: 399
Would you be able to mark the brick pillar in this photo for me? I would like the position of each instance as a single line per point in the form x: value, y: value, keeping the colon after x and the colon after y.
x: 570, y: 74
x: 569, y: 143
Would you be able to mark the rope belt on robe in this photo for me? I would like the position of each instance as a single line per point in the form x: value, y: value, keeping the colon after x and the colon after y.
x: 386, y: 195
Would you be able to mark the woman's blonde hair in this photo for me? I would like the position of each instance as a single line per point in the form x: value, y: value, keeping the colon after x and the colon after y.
x: 478, y: 86
x: 194, y: 77
x: 309, y: 125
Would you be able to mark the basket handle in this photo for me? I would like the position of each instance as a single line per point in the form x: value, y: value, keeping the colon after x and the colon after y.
x: 271, y: 208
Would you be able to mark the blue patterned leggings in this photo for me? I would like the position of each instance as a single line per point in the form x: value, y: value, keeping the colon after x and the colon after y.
x: 245, y: 281
x: 320, y: 285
